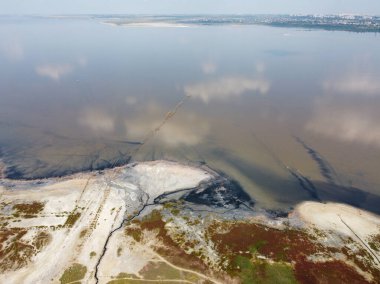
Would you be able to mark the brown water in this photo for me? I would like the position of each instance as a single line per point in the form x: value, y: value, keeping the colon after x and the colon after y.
x: 290, y: 114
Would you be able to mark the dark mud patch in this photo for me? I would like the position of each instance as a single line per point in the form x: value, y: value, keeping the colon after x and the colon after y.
x: 220, y: 193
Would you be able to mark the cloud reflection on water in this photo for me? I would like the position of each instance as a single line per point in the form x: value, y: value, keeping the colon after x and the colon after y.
x: 130, y: 100
x: 54, y: 71
x: 348, y: 111
x: 208, y: 68
x: 97, y: 120
x: 354, y: 84
x: 13, y: 51
x: 142, y: 120
x: 226, y: 88
x: 181, y: 129
x: 349, y: 123
x: 57, y: 71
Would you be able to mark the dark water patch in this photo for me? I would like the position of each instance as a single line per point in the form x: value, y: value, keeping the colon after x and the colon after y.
x: 220, y: 193
x: 326, y: 170
x: 128, y: 142
x: 45, y: 154
x: 305, y: 183
x: 349, y: 195
x: 324, y: 191
x: 38, y: 169
x: 277, y: 213
x: 12, y: 172
x: 283, y: 190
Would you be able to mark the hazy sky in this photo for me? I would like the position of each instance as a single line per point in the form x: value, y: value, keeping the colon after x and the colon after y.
x: 188, y: 6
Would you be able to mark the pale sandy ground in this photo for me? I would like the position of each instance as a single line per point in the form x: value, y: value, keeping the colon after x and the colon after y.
x: 150, y: 25
x: 104, y: 200
x: 336, y: 218
x: 329, y: 216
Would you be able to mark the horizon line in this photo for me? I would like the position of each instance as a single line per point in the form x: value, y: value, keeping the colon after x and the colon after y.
x: 189, y: 14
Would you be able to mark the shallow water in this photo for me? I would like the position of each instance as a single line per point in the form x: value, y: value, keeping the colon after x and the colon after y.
x: 290, y: 114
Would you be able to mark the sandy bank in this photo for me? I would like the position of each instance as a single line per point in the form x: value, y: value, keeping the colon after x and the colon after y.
x: 338, y: 217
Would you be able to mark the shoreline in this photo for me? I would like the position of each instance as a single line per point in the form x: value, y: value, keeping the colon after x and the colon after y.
x: 135, y: 211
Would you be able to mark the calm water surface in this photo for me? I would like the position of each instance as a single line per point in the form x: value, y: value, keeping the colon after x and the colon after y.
x: 290, y: 114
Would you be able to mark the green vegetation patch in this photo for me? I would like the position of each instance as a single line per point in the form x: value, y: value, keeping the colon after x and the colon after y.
x: 175, y: 211
x: 125, y: 281
x: 126, y: 275
x: 135, y: 233
x: 257, y: 246
x: 154, y: 216
x: 82, y: 233
x: 160, y: 270
x: 42, y: 240
x: 245, y: 268
x: 124, y: 278
x: 71, y: 219
x: 76, y: 272
x: 253, y: 271
x: 279, y: 273
x: 169, y: 205
x: 28, y: 209
x: 374, y: 243
x: 119, y: 251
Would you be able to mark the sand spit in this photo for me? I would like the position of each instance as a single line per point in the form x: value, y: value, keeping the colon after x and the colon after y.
x: 341, y: 218
x: 148, y: 24
x: 78, y: 213
x: 344, y: 220
x: 128, y: 223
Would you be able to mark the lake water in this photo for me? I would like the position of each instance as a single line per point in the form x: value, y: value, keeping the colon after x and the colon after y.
x: 290, y: 114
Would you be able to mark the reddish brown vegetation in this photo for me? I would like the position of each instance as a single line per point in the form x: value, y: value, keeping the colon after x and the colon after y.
x: 247, y: 240
x: 327, y: 272
x: 363, y: 260
x: 171, y: 250
x: 292, y: 246
x: 15, y: 252
x: 280, y: 245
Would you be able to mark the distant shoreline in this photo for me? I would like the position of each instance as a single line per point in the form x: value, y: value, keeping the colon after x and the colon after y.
x: 348, y: 23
